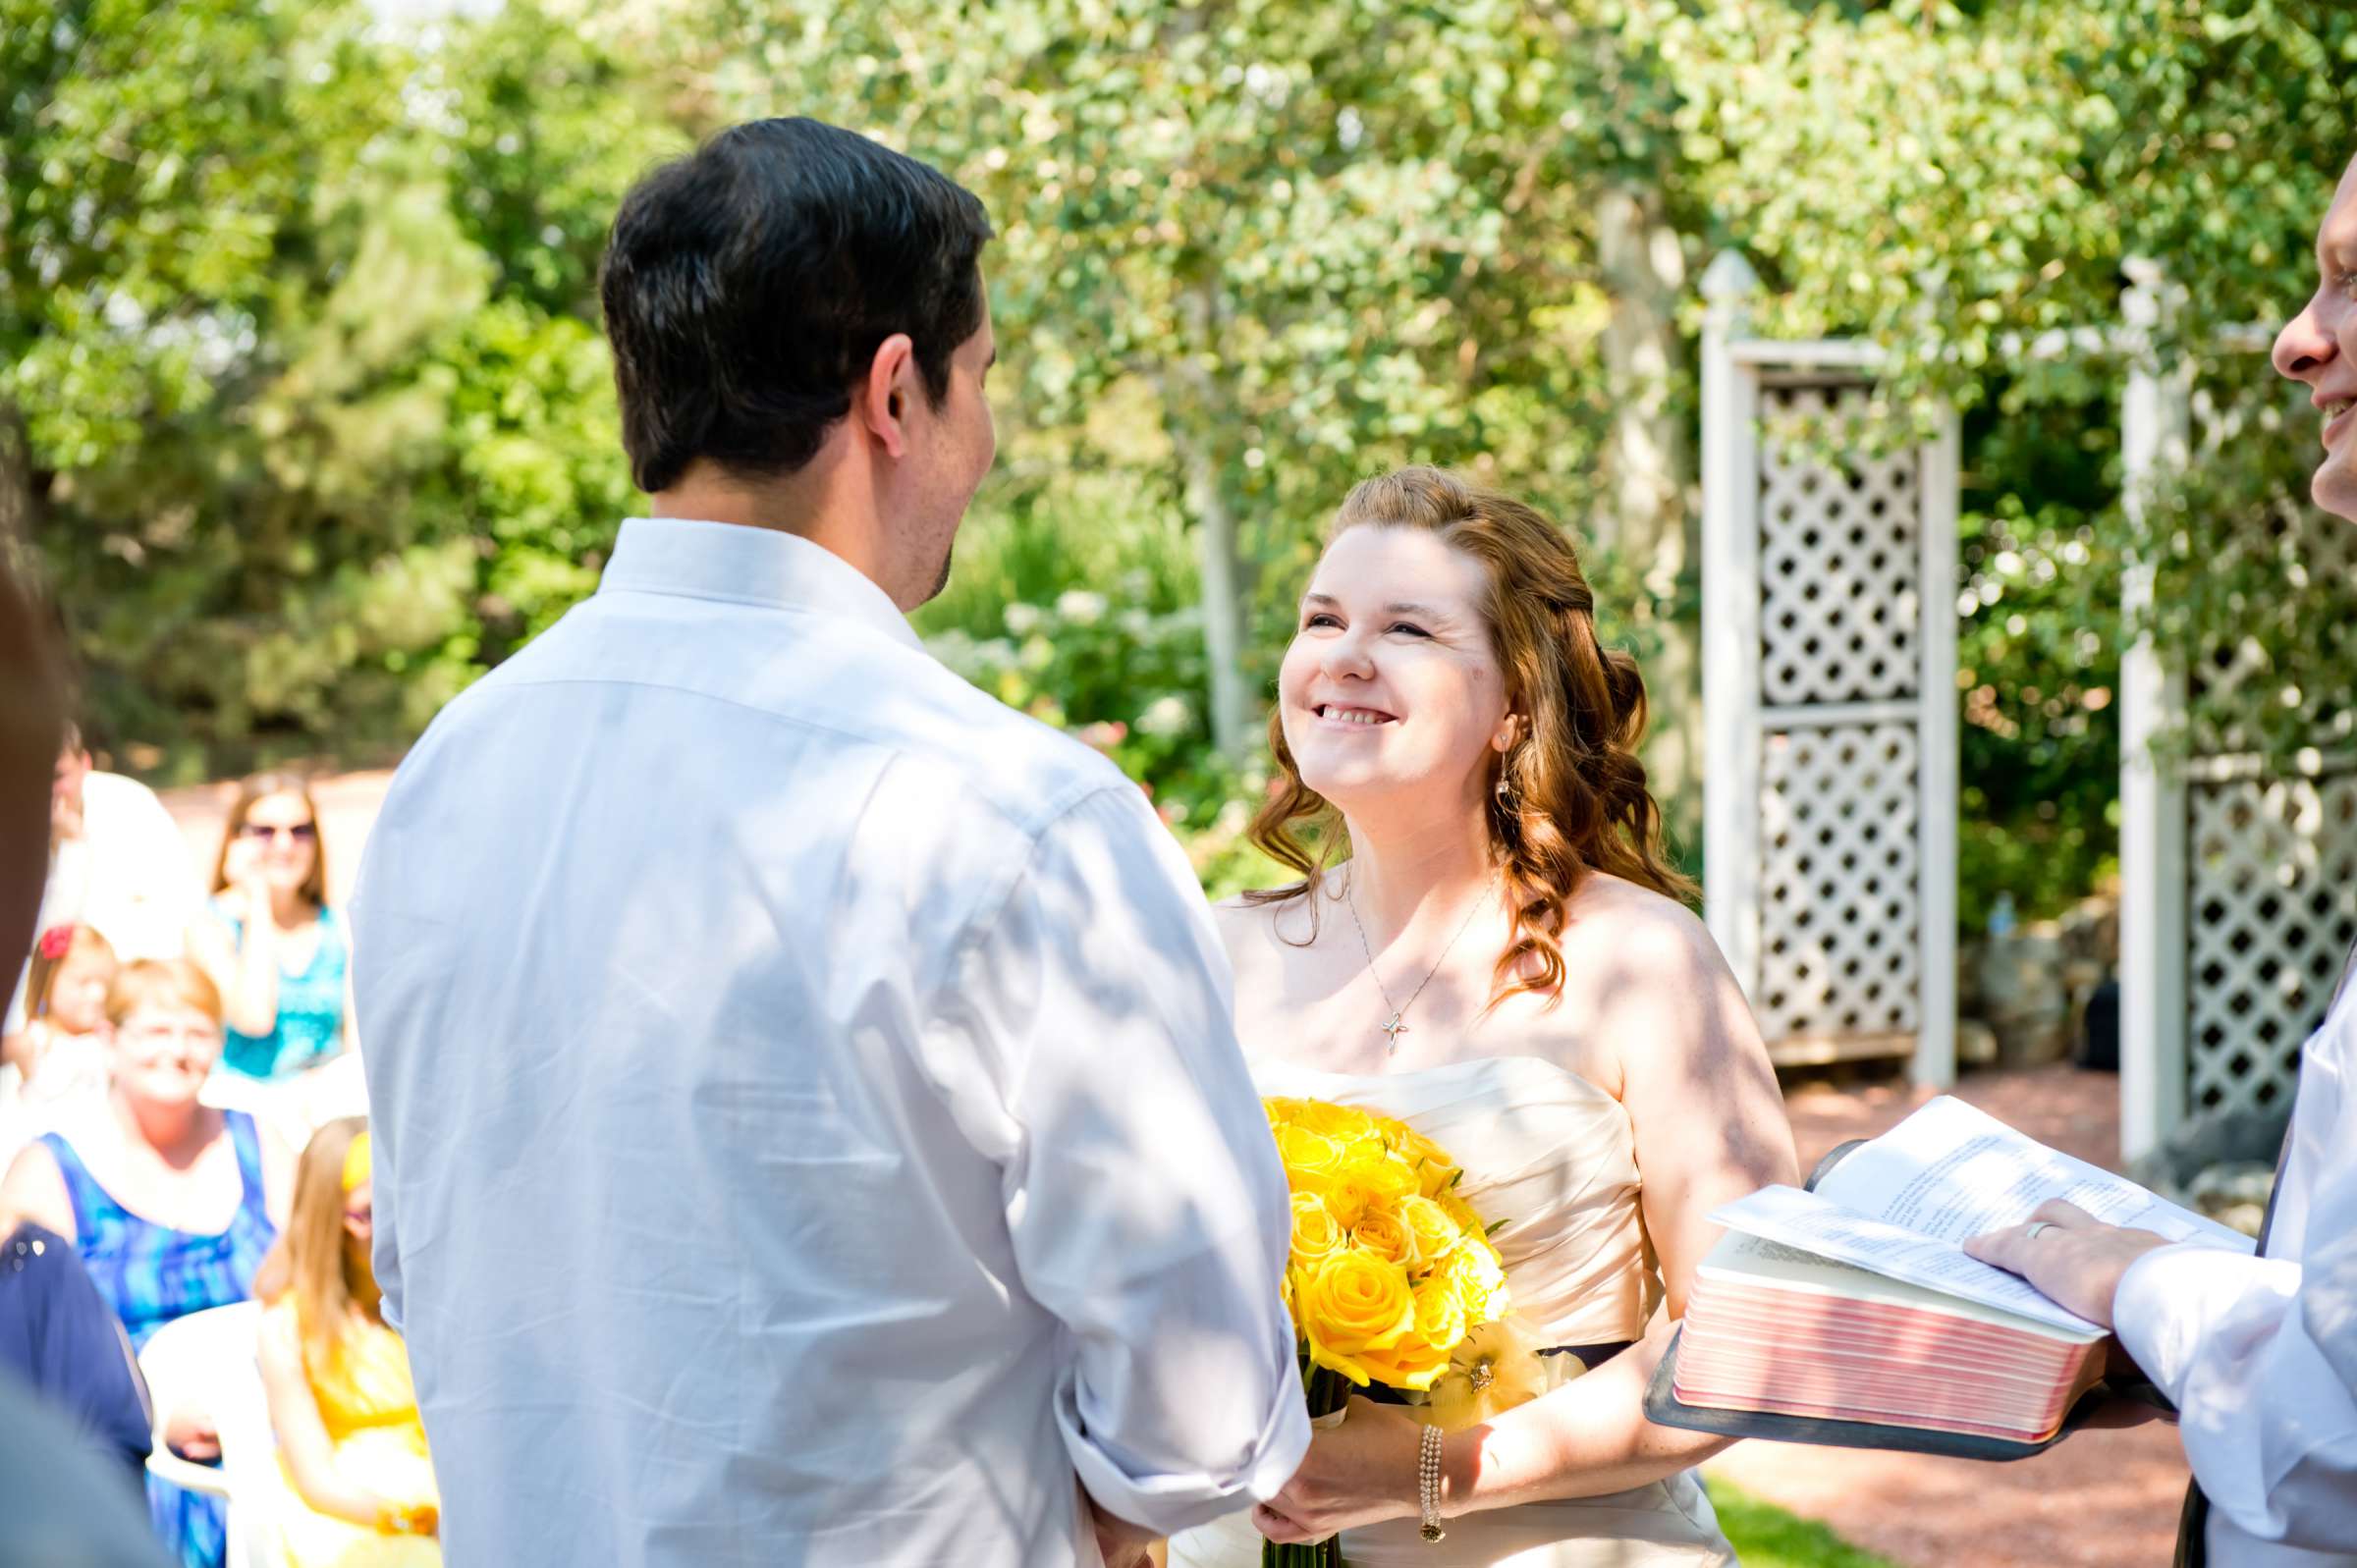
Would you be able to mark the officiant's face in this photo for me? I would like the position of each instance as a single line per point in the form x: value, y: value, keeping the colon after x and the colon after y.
x: 2320, y: 347
x: 1391, y: 692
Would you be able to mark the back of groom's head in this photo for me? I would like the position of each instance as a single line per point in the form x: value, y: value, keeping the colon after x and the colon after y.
x: 748, y: 285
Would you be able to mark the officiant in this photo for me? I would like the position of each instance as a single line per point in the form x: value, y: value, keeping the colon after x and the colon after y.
x: 2258, y: 1353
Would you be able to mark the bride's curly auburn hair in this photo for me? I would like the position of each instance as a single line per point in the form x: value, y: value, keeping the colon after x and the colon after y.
x: 1574, y: 798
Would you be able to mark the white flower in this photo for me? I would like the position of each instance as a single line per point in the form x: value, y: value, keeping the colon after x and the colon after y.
x: 1021, y: 619
x: 1079, y: 606
x: 1166, y: 716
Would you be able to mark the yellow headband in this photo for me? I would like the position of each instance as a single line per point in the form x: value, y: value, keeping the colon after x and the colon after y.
x: 356, y: 1163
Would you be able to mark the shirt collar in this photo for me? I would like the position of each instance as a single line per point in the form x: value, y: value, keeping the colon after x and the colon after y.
x: 746, y: 565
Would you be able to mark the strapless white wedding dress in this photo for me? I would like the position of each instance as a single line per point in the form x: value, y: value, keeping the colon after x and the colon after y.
x: 1553, y: 1157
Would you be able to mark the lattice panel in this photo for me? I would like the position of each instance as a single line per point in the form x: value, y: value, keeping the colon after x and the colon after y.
x: 2271, y: 913
x: 1841, y: 602
x: 2299, y: 541
x: 1838, y: 946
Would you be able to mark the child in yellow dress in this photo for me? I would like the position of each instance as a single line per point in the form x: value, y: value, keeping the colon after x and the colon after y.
x: 341, y: 1401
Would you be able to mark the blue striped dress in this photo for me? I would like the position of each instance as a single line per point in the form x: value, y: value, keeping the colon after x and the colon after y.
x: 150, y: 1275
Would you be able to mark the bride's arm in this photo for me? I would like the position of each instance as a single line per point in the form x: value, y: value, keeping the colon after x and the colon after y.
x: 1709, y: 1126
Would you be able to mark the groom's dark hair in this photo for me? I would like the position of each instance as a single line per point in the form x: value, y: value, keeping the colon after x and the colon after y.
x: 748, y: 285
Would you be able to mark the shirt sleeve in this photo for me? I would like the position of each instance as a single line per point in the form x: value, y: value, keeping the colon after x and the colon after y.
x: 2259, y: 1355
x: 1144, y: 1196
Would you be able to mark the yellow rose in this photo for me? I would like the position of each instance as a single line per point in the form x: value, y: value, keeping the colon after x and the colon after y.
x: 1473, y: 1274
x: 1343, y: 1123
x: 1440, y: 1314
x: 1380, y: 1231
x: 1435, y: 1171
x: 1281, y: 1110
x: 1414, y: 1362
x: 1316, y: 1232
x: 1354, y: 1305
x: 1312, y: 1161
x: 1461, y: 1212
x: 1436, y: 1235
x: 1383, y: 1175
x: 1349, y: 1202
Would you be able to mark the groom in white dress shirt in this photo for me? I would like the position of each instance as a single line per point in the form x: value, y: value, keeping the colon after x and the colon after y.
x: 808, y: 1124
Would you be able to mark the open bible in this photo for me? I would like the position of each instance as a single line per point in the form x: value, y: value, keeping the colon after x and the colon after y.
x: 1850, y: 1314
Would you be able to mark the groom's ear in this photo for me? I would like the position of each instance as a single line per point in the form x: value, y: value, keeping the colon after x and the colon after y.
x: 881, y: 401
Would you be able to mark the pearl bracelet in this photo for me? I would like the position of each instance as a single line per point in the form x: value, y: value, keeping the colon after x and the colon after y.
x: 1428, y: 1483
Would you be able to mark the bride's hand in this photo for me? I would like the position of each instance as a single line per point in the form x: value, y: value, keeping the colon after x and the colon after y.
x: 1355, y: 1474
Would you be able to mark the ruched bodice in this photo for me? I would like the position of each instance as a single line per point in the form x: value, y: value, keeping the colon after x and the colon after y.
x: 1549, y: 1158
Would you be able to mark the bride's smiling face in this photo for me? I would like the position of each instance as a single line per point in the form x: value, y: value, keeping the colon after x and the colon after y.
x: 1390, y: 687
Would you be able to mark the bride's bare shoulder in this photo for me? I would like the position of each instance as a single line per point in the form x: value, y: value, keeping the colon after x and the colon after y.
x: 1262, y: 931
x: 1635, y: 924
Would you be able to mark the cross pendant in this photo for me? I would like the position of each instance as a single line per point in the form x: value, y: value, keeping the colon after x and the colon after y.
x: 1391, y: 1032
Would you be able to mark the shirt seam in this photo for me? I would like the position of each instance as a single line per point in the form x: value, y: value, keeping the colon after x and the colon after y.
x: 910, y: 642
x: 992, y: 905
x: 1032, y: 827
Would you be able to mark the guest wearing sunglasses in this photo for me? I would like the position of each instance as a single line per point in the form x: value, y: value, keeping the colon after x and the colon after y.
x: 270, y: 942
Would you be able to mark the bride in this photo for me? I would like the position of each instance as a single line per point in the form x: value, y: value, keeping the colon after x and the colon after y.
x: 1486, y: 942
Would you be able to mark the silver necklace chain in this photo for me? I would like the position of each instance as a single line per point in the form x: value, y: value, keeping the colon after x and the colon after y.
x: 1393, y: 1028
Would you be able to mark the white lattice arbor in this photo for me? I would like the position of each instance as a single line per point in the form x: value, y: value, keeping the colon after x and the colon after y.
x: 1829, y: 688
x: 2239, y: 897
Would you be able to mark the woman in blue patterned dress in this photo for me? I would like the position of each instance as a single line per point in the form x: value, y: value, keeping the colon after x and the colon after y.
x: 171, y: 1203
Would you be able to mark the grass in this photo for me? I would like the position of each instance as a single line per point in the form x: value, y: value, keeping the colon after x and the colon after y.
x: 1765, y: 1535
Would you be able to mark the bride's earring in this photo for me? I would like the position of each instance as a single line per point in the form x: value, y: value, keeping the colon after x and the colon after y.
x: 1504, y: 788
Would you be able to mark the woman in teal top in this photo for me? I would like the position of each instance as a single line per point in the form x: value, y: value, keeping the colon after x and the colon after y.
x: 272, y: 944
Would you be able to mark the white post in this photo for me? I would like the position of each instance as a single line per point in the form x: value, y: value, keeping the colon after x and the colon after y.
x: 2154, y: 419
x: 1937, y: 756
x: 1730, y: 623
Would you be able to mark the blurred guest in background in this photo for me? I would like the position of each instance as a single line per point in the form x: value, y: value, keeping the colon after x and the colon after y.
x: 61, y: 1052
x: 117, y: 863
x: 171, y: 1203
x: 345, y: 1413
x: 270, y: 942
x: 60, y: 1335
x: 60, y: 1506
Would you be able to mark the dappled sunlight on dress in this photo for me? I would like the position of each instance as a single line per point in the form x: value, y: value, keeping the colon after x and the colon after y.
x: 370, y: 1408
x: 1554, y: 1158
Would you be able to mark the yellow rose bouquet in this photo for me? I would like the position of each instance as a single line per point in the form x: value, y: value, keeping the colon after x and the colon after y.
x: 1391, y: 1271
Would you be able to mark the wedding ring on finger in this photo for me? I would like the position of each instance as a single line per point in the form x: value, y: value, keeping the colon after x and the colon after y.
x: 2037, y: 1226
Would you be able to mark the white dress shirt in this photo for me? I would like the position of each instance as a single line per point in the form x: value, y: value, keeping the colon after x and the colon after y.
x: 2261, y: 1353
x: 809, y: 1128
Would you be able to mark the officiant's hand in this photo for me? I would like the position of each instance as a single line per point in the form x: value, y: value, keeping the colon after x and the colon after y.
x: 1358, y: 1472
x: 2069, y: 1255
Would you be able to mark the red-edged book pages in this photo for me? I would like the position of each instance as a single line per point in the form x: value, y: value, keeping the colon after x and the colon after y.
x: 1778, y: 1330
x: 1855, y: 1304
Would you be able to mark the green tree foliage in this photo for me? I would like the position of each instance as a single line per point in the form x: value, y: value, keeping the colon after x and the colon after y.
x: 304, y: 403
x: 318, y: 422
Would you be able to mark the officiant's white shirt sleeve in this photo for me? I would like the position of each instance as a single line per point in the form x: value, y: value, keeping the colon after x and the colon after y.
x: 1140, y: 1180
x: 2259, y: 1354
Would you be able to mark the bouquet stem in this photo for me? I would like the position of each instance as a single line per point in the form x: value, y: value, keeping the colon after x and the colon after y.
x: 1329, y: 1392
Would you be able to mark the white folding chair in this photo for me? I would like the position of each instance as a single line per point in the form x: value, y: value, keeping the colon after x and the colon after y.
x: 210, y: 1360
